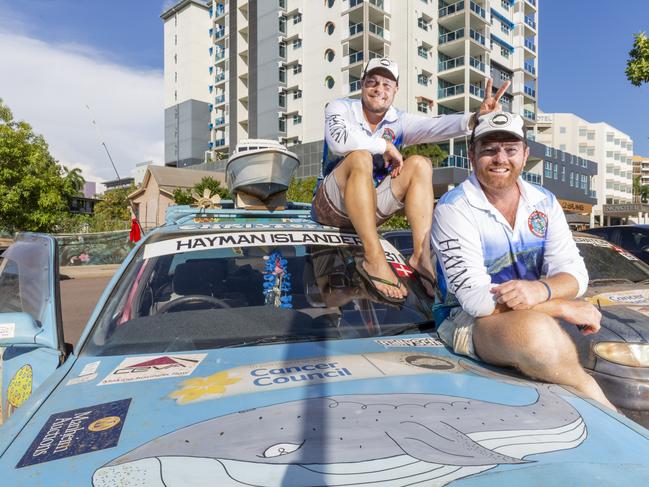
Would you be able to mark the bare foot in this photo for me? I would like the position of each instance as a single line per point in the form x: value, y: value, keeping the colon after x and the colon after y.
x: 425, y: 268
x: 381, y: 269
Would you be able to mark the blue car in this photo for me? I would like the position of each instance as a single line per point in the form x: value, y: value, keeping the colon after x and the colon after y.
x: 240, y: 347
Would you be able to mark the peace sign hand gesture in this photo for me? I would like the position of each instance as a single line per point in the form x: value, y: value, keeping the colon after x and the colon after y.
x: 492, y: 103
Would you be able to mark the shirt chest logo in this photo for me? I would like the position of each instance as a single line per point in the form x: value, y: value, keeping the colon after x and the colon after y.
x: 388, y: 134
x: 537, y: 223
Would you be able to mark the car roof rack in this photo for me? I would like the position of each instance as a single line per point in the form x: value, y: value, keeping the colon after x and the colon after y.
x: 180, y: 214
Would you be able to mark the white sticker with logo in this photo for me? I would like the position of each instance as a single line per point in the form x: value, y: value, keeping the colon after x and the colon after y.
x: 230, y: 240
x: 89, y: 368
x: 7, y: 330
x: 135, y: 369
x: 410, y: 342
x: 317, y: 370
x: 81, y: 379
x: 638, y: 297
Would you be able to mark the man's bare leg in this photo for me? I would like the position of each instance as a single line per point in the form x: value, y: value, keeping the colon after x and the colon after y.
x: 535, y: 344
x: 414, y: 186
x: 354, y: 178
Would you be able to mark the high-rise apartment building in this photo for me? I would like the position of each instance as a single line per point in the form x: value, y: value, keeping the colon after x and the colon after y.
x: 186, y: 80
x: 641, y: 169
x: 274, y: 64
x: 611, y: 148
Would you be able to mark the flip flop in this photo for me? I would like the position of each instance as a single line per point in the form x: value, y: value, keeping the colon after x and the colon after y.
x: 369, y: 281
x: 429, y: 280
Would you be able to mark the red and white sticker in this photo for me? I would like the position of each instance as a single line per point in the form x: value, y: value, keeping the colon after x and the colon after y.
x: 7, y: 330
x: 402, y: 270
x: 135, y: 369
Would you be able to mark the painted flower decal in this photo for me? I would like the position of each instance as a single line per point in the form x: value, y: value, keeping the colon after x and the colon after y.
x: 20, y: 388
x: 207, y: 200
x: 201, y: 388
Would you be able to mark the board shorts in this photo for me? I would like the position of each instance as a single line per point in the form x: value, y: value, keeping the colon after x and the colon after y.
x: 456, y: 331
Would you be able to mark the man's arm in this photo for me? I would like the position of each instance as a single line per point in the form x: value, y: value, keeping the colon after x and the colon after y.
x: 343, y: 137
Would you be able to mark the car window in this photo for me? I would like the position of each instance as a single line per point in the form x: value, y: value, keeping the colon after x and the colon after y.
x: 633, y: 239
x: 222, y: 297
x: 606, y: 261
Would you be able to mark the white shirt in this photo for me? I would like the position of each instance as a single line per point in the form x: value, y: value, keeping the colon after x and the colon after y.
x: 347, y: 130
x: 477, y: 249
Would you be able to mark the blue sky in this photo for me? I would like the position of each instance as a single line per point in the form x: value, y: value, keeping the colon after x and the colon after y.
x: 69, y: 54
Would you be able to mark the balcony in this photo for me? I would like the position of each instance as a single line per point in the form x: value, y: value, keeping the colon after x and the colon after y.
x: 422, y: 24
x: 219, y: 77
x: 220, y: 9
x: 477, y: 64
x: 530, y: 45
x: 450, y: 64
x: 529, y: 68
x: 355, y: 29
x: 353, y: 3
x: 530, y: 91
x: 529, y: 114
x: 219, y: 99
x: 423, y: 80
x: 477, y: 36
x: 476, y: 91
x: 478, y: 10
x: 220, y: 55
x: 457, y: 161
x: 450, y: 91
x: 355, y: 86
x: 451, y: 9
x: 219, y: 142
x: 531, y: 177
x: 530, y: 22
x: 423, y: 52
x: 356, y: 57
x: 375, y: 54
x: 451, y: 36
x: 376, y: 29
x: 378, y: 4
x: 219, y: 33
x: 219, y: 121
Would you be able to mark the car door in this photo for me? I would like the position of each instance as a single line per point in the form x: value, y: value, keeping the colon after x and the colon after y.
x: 31, y: 330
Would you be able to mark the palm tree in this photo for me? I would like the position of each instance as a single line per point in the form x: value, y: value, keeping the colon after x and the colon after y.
x: 74, y: 178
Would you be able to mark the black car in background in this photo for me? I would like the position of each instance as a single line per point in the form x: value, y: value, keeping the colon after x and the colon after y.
x: 632, y: 238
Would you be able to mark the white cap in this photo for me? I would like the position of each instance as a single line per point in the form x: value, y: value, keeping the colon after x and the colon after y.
x: 384, y: 64
x: 497, y: 122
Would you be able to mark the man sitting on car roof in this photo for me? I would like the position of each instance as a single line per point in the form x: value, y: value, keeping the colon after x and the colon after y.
x: 496, y: 236
x: 366, y: 179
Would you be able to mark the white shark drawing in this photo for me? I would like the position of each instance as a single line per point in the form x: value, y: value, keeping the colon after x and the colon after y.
x: 351, y: 440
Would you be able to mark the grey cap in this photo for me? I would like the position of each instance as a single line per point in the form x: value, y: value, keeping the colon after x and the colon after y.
x: 384, y: 64
x: 499, y: 122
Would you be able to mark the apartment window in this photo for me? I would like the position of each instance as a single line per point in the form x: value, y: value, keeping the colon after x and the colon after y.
x: 504, y: 28
x: 562, y: 130
x: 282, y: 74
x: 282, y: 99
x: 423, y: 52
x: 176, y: 76
x: 591, y: 136
x: 176, y: 58
x: 562, y: 147
x: 330, y: 55
x: 282, y: 49
x: 504, y: 4
x: 297, y: 18
x: 422, y: 107
x: 175, y: 95
x: 330, y: 27
x: 609, y: 137
x: 582, y: 132
x: 297, y: 43
x: 563, y: 156
x: 282, y: 124
x: 297, y: 119
x: 563, y: 174
x: 505, y: 76
x: 548, y: 169
x: 329, y: 82
x: 422, y: 79
x: 297, y: 68
x: 609, y: 153
x: 572, y: 179
x: 282, y: 24
x: 330, y: 3
x: 297, y: 94
x: 421, y: 22
x: 175, y: 40
x: 556, y: 171
x: 504, y: 52
x: 548, y: 151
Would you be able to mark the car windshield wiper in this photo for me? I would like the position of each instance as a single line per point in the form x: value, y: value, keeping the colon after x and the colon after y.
x: 608, y: 281
x: 281, y: 339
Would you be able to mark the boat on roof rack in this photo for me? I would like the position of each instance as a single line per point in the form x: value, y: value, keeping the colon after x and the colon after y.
x: 259, y: 171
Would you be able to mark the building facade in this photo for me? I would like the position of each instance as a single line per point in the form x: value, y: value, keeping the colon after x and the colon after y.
x: 186, y: 80
x: 641, y: 169
x: 611, y: 148
x: 275, y: 64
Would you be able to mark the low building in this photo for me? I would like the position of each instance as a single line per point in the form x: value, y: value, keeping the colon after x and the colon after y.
x: 155, y: 195
x: 80, y: 205
x: 119, y: 183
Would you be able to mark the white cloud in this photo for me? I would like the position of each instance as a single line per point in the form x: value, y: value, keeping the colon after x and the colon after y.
x: 50, y: 86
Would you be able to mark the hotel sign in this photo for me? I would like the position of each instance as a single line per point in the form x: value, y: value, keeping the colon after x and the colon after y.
x: 625, y: 209
x: 575, y: 206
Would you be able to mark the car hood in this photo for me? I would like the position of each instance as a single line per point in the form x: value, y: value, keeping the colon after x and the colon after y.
x: 355, y: 412
x: 625, y: 311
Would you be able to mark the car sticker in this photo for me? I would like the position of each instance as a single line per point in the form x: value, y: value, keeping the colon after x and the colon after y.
x: 133, y: 369
x: 277, y: 281
x: 638, y: 297
x: 19, y: 388
x: 83, y: 430
x: 192, y: 243
x: 410, y: 342
x: 598, y: 242
x: 7, y: 330
x: 81, y: 379
x: 624, y: 253
x: 89, y: 368
x: 298, y: 373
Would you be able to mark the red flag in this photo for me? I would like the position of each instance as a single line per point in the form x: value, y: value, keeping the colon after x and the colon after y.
x: 134, y: 236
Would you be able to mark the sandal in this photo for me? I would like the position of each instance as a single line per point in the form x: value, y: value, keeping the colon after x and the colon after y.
x: 369, y: 281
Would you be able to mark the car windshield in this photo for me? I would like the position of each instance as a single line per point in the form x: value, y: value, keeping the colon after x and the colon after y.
x: 189, y: 298
x: 606, y: 262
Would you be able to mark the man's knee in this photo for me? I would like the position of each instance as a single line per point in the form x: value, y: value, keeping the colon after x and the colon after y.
x: 358, y: 160
x: 419, y: 163
x: 544, y: 343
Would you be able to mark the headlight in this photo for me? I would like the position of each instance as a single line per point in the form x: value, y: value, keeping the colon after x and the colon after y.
x: 629, y: 354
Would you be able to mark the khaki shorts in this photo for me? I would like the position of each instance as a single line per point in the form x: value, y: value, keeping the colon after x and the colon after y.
x: 456, y: 331
x: 329, y: 207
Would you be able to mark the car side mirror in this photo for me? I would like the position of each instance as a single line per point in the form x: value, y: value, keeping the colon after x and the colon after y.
x: 18, y: 328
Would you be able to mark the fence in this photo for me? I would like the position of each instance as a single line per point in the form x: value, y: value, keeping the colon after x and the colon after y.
x: 93, y: 248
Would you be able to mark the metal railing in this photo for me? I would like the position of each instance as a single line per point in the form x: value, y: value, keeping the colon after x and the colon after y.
x: 219, y: 99
x: 456, y: 62
x: 530, y: 68
x: 422, y: 24
x: 530, y: 21
x: 376, y: 29
x: 478, y: 10
x: 457, y: 161
x: 219, y: 142
x: 354, y: 86
x: 531, y: 177
x: 529, y: 114
x: 423, y: 52
x: 219, y: 33
x: 356, y: 57
x: 530, y: 91
x: 530, y: 45
x: 476, y: 91
x: 450, y: 91
x: 477, y: 36
x: 451, y: 36
x: 355, y: 29
x: 219, y: 121
x: 378, y: 4
x: 373, y: 54
x: 451, y: 9
x: 219, y: 77
x: 477, y: 64
x: 423, y: 79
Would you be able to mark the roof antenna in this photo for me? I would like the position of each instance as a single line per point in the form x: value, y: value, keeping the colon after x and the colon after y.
x: 130, y: 204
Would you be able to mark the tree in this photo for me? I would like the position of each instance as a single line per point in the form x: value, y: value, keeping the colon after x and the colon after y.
x: 431, y: 151
x: 184, y: 196
x: 114, y: 205
x: 637, y: 66
x: 301, y: 190
x: 74, y: 178
x: 34, y: 193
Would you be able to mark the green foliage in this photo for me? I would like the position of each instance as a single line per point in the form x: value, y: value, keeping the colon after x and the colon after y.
x: 74, y: 179
x: 184, y: 196
x: 114, y: 205
x: 301, y: 190
x: 637, y: 66
x: 34, y: 191
x: 396, y: 222
x: 431, y: 151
